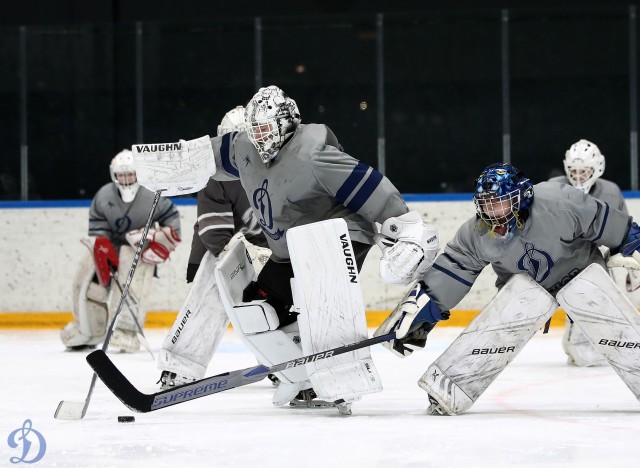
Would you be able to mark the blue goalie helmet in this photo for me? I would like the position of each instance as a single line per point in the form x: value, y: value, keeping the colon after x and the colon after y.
x: 502, y: 196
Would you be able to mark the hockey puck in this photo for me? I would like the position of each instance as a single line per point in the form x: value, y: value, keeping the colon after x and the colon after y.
x: 126, y: 419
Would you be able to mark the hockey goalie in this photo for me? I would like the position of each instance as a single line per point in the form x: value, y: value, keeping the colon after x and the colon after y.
x: 317, y: 207
x: 542, y: 241
x: 118, y: 212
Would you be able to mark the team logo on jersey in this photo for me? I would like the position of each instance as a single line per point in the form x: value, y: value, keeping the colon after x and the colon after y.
x: 123, y: 225
x: 262, y: 203
x: 247, y: 160
x: 536, y: 263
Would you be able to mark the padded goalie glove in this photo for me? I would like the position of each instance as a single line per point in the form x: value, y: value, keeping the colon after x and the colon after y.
x: 134, y: 237
x: 625, y: 272
x: 163, y: 242
x: 412, y: 321
x: 409, y: 247
x: 631, y: 245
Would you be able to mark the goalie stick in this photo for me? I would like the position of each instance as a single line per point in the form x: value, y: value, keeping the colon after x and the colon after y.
x: 122, y: 388
x: 75, y: 410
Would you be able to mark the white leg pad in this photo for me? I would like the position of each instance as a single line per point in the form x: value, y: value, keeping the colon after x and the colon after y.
x: 256, y: 317
x: 326, y: 292
x: 199, y: 327
x: 233, y: 273
x: 607, y: 319
x: 89, y: 307
x: 139, y: 287
x: 491, y: 341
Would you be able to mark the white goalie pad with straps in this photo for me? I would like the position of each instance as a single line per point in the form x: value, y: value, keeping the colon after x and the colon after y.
x: 327, y: 294
x: 491, y: 341
x: 270, y: 346
x: 140, y: 286
x: 90, y: 302
x: 198, y: 328
x: 177, y: 168
x: 607, y: 319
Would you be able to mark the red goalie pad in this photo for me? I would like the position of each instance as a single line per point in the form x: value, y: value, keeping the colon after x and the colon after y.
x: 104, y: 257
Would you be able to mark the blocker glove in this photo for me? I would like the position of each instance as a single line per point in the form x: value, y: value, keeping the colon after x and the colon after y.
x: 412, y: 320
x: 163, y: 242
x: 631, y: 245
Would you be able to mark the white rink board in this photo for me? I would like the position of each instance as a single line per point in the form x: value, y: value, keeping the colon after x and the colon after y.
x: 40, y: 248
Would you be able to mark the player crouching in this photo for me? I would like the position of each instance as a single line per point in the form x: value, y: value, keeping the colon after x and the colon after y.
x: 545, y: 253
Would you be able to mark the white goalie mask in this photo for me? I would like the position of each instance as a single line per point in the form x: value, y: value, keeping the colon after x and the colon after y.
x: 271, y: 118
x: 123, y: 174
x: 233, y: 121
x: 583, y: 164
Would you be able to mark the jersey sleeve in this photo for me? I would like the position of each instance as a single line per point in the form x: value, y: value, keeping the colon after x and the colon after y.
x: 215, y: 217
x: 167, y: 214
x: 594, y: 220
x: 622, y: 205
x: 456, y: 269
x: 224, y: 154
x: 197, y: 247
x: 98, y: 223
x: 354, y: 184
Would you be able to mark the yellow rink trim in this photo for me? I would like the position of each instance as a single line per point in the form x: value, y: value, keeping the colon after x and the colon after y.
x: 164, y: 319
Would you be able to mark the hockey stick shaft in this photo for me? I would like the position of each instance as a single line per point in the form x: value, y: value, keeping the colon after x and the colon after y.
x: 72, y: 411
x: 122, y: 388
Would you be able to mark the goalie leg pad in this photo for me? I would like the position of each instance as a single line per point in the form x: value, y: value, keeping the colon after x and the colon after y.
x: 89, y: 308
x: 233, y: 274
x: 491, y: 341
x: 139, y: 287
x: 326, y: 291
x: 125, y: 333
x: 256, y: 317
x: 199, y: 327
x: 606, y: 317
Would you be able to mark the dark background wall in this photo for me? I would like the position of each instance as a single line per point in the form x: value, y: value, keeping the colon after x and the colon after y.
x: 568, y: 78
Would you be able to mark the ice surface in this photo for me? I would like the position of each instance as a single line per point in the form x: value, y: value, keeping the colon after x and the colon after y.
x: 539, y: 412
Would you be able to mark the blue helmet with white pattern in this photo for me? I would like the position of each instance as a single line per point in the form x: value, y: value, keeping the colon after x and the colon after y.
x: 502, y: 196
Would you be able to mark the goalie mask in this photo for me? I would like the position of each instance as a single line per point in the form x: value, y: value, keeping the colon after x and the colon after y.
x: 502, y: 197
x: 233, y: 121
x: 583, y: 164
x: 271, y: 118
x: 123, y: 175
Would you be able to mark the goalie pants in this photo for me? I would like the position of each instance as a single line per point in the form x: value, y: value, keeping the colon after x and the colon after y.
x: 274, y: 284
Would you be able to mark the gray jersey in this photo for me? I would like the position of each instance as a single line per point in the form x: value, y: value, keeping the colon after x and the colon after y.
x: 310, y: 180
x: 603, y: 190
x: 559, y: 239
x: 109, y: 216
x: 223, y: 210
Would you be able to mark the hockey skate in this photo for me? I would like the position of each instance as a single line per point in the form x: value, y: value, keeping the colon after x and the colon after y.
x: 275, y: 381
x: 308, y: 399
x: 435, y: 408
x: 170, y: 379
